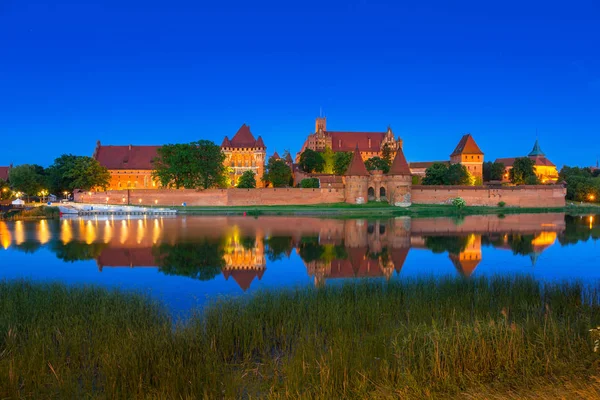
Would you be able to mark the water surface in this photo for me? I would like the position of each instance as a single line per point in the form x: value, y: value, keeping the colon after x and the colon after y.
x: 184, y: 261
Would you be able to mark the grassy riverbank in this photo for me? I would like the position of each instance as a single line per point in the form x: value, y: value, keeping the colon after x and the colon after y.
x: 41, y: 212
x: 414, y: 339
x: 374, y: 209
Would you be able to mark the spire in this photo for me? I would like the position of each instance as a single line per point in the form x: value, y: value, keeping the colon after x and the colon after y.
x: 399, y: 165
x: 537, y: 151
x: 357, y: 166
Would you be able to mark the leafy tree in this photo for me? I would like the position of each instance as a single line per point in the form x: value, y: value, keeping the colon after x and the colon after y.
x: 310, y: 249
x: 76, y: 250
x: 5, y: 192
x: 377, y: 163
x: 522, y: 169
x: 278, y: 173
x: 329, y: 157
x: 581, y: 183
x: 70, y: 172
x: 247, y: 180
x: 493, y: 171
x: 309, y: 183
x: 202, y: 261
x: 27, y: 179
x: 386, y: 154
x: 458, y: 175
x: 451, y: 244
x: 311, y: 161
x: 341, y: 162
x: 197, y: 165
x: 437, y: 174
x: 532, y: 180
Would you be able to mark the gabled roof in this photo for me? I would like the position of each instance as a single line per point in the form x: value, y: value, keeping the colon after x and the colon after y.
x: 4, y: 173
x: 276, y: 156
x: 243, y: 277
x: 541, y: 161
x: 288, y: 158
x: 466, y: 145
x: 464, y: 267
x: 357, y: 166
x: 126, y: 157
x: 399, y: 165
x: 243, y: 139
x: 346, y: 141
x: 399, y: 257
x: 536, y: 151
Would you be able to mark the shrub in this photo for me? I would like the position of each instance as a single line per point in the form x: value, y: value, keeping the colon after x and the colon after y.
x: 501, y: 204
x: 459, y: 202
x: 309, y: 183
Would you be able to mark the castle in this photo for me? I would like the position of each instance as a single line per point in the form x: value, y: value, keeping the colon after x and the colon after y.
x: 545, y: 169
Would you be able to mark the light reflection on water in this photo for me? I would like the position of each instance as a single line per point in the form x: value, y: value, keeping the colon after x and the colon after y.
x: 186, y: 260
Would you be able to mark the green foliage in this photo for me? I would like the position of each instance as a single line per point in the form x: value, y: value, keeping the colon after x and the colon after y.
x: 532, y: 180
x: 386, y: 154
x: 451, y: 244
x: 311, y: 161
x: 415, y: 180
x: 277, y: 246
x: 5, y: 192
x: 278, y: 173
x: 329, y: 158
x: 202, y: 261
x: 501, y: 204
x: 247, y: 180
x: 442, y: 174
x: 77, y: 250
x: 581, y: 184
x: 493, y: 171
x: 341, y: 162
x: 377, y: 164
x: 197, y: 165
x: 70, y: 172
x: 459, y: 203
x: 309, y: 183
x: 522, y: 171
x: 27, y: 179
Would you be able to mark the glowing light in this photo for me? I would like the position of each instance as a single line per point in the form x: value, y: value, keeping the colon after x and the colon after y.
x: 66, y: 233
x: 90, y: 233
x: 591, y: 219
x: 5, y: 237
x: 592, y: 197
x: 124, y: 232
x: 43, y: 232
x: 107, y: 231
x: 155, y: 201
x: 19, y: 233
x: 140, y: 201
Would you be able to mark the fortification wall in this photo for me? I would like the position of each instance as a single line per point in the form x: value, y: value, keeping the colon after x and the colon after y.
x: 513, y: 196
x: 213, y: 197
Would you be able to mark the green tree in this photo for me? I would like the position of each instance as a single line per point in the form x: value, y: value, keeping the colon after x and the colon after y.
x: 277, y: 246
x: 70, y: 172
x: 341, y: 162
x: 5, y: 192
x: 247, y: 180
x: 278, y: 173
x: 309, y: 183
x: 458, y: 175
x: 522, y: 169
x: 437, y: 174
x: 27, y: 179
x: 202, y: 261
x: 377, y: 163
x: 197, y: 165
x: 386, y: 154
x: 311, y: 161
x: 329, y: 157
x: 492, y: 171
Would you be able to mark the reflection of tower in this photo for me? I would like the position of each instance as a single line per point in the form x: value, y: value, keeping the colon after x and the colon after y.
x: 468, y: 259
x: 244, y: 263
x: 540, y: 243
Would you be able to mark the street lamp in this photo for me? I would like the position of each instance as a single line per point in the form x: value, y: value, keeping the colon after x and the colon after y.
x: 65, y: 194
x: 592, y: 197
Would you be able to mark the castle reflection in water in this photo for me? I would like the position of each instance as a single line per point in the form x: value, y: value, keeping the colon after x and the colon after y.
x: 240, y: 247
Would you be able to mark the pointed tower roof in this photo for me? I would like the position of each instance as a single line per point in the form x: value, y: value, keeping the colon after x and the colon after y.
x: 399, y: 165
x: 245, y: 138
x: 260, y: 144
x: 466, y: 145
x: 357, y: 165
x: 288, y: 158
x: 536, y: 151
x: 226, y: 142
x: 275, y: 156
x: 464, y: 267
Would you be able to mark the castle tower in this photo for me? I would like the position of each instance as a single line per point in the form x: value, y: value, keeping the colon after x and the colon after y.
x: 470, y: 155
x: 399, y: 181
x: 244, y: 153
x: 321, y: 124
x: 357, y: 180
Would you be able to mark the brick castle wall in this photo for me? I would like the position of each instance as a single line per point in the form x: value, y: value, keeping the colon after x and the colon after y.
x: 513, y: 196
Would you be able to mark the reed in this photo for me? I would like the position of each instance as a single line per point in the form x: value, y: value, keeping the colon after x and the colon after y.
x: 410, y: 339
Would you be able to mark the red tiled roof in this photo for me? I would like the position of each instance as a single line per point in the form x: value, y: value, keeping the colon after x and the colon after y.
x: 243, y: 277
x: 347, y: 141
x: 399, y: 165
x: 4, y: 173
x: 243, y: 139
x: 124, y: 257
x: 538, y: 161
x: 399, y: 257
x: 126, y: 157
x: 275, y: 156
x: 466, y: 145
x: 464, y: 267
x: 357, y: 166
x: 426, y: 164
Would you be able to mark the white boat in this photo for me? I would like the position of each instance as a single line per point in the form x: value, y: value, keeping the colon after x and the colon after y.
x: 68, y: 210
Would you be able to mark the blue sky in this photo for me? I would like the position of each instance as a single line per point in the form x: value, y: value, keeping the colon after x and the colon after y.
x: 154, y: 72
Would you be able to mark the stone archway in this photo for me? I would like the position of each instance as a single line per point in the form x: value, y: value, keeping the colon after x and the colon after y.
x: 371, y: 194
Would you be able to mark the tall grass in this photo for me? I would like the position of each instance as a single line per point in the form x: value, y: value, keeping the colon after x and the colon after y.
x: 364, y: 340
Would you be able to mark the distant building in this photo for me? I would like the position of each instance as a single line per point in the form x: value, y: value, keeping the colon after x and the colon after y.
x: 4, y: 172
x: 544, y: 168
x: 467, y: 153
x: 244, y: 153
x: 130, y: 166
x: 370, y: 144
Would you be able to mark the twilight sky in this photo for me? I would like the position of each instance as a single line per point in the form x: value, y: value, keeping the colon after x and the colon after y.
x: 152, y: 72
